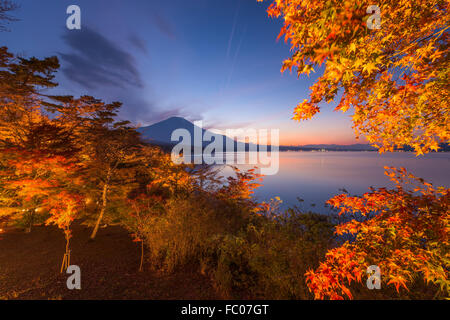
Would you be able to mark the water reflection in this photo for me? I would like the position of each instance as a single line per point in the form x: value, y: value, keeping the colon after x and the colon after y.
x: 317, y: 176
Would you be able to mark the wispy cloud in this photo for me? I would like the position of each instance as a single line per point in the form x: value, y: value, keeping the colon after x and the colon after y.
x: 96, y: 61
x: 233, y: 29
x: 101, y: 67
x: 163, y: 25
x: 138, y: 43
x: 236, y: 54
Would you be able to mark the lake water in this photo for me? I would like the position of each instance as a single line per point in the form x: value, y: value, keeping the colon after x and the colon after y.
x: 318, y: 176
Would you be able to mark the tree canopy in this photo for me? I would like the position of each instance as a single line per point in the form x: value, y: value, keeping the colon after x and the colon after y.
x: 395, y: 78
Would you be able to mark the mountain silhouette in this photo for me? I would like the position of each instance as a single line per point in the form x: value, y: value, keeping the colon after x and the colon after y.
x: 161, y: 133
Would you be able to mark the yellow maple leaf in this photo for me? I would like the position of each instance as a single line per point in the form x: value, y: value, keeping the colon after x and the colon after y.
x: 369, y: 67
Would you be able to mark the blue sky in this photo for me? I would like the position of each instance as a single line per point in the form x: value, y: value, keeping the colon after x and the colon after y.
x: 211, y: 60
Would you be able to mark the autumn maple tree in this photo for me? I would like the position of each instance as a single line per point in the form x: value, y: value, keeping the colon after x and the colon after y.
x: 22, y: 82
x: 26, y: 168
x: 26, y: 131
x: 408, y: 238
x: 108, y: 147
x: 139, y: 213
x: 241, y: 187
x: 395, y: 78
x: 50, y: 183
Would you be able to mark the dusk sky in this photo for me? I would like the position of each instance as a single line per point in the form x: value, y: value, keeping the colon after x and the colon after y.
x: 211, y: 60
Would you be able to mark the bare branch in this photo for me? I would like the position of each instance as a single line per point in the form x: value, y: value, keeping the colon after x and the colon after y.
x: 7, y: 6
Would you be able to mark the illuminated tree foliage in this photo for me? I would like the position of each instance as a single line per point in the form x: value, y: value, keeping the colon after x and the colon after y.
x: 21, y: 83
x: 140, y: 211
x: 49, y: 183
x: 408, y: 238
x: 242, y: 186
x: 108, y: 149
x: 35, y: 143
x: 395, y: 78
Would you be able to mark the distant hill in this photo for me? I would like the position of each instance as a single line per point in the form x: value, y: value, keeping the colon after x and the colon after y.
x: 443, y: 147
x: 329, y: 147
x: 336, y: 147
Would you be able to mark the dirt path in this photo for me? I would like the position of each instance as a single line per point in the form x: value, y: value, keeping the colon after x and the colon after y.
x: 30, y: 263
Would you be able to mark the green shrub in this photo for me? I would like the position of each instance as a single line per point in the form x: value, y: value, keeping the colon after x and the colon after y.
x: 181, y: 233
x: 269, y: 258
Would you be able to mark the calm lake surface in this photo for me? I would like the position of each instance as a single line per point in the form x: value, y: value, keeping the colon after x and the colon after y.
x: 318, y: 176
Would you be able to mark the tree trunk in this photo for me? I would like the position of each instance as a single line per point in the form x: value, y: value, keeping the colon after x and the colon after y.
x: 66, y: 258
x: 104, y: 203
x: 31, y: 221
x: 142, y: 256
